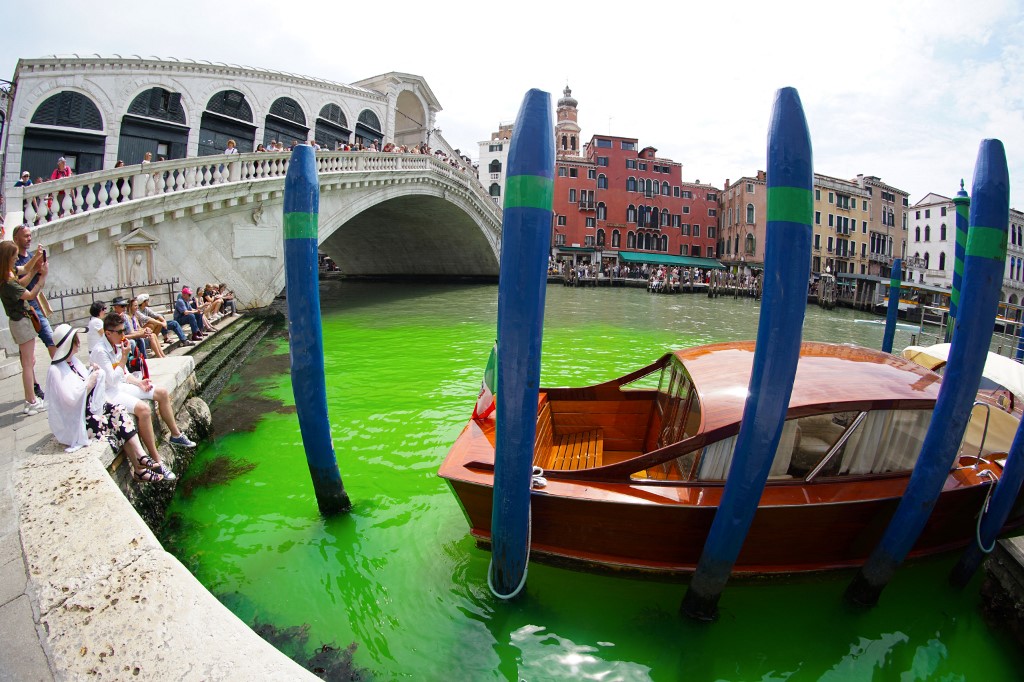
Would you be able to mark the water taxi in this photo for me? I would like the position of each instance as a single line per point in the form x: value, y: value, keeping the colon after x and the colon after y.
x: 629, y: 473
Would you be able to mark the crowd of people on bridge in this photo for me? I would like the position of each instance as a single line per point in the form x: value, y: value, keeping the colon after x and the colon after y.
x: 112, y: 397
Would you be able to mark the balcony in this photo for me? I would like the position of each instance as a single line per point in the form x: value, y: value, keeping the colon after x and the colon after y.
x: 587, y: 205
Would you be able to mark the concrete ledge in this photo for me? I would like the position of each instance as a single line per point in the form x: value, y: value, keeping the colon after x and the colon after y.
x: 110, y: 603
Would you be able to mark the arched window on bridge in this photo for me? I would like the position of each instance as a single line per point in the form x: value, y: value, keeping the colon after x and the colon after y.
x: 155, y: 123
x: 80, y: 139
x: 368, y: 129
x: 494, y: 167
x: 286, y: 122
x: 600, y: 237
x: 630, y: 240
x: 615, y: 239
x: 602, y: 181
x: 332, y: 128
x: 602, y: 211
x: 227, y: 117
x: 495, y: 190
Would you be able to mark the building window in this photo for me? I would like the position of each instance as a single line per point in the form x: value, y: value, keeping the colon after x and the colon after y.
x: 642, y: 166
x: 942, y: 210
x: 664, y: 218
x: 630, y: 240
x: 602, y: 161
x: 629, y: 146
x: 559, y: 240
x: 750, y: 214
x: 684, y: 250
x: 687, y: 194
x: 831, y: 242
x: 630, y: 184
x: 684, y: 229
x: 562, y: 171
x: 615, y: 239
x: 712, y: 196
x: 602, y: 211
x: 572, y: 196
x: 588, y: 240
x: 831, y: 198
x: 927, y: 213
x: 831, y: 220
x: 711, y: 231
x: 712, y: 212
x: 675, y: 192
x: 942, y: 233
x: 600, y: 237
x: 604, y: 144
x: 494, y: 166
x: 494, y: 148
x: 574, y: 173
x: 749, y: 244
x: 817, y: 195
x: 591, y: 173
x: 631, y: 164
x: 817, y: 241
x: 495, y: 189
x: 696, y: 230
x: 631, y: 214
x: 864, y: 226
x: 750, y: 188
x: 686, y: 209
x: 602, y: 181
x: 664, y: 188
x: 817, y: 217
x: 927, y: 233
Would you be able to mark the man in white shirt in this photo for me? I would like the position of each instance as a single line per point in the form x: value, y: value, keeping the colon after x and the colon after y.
x: 134, y: 394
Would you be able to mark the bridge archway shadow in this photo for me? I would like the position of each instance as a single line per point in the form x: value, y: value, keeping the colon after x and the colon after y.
x: 416, y: 236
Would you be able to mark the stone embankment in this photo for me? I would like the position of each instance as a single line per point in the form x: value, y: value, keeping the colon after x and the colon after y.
x: 86, y: 589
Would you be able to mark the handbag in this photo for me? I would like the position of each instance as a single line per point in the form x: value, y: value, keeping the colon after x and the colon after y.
x: 36, y: 324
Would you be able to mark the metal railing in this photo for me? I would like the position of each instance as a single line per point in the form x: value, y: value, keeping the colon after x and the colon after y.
x: 72, y: 305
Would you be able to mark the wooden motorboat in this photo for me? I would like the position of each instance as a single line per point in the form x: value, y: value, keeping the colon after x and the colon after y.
x: 633, y: 475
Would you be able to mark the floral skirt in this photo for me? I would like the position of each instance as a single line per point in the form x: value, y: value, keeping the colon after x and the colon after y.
x: 114, y: 425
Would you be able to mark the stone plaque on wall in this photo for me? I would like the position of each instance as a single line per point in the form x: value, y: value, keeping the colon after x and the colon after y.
x: 256, y: 241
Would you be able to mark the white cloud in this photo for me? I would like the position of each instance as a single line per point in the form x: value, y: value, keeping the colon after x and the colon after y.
x: 905, y: 90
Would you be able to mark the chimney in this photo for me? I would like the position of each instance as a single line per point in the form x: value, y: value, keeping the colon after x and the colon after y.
x: 727, y: 183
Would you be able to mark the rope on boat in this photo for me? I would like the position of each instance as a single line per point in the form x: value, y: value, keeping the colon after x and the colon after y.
x: 537, y: 480
x: 984, y: 510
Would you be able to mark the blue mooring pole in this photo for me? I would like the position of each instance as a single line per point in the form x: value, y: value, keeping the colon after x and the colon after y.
x: 895, y: 282
x: 994, y: 516
x: 962, y: 202
x: 306, y: 344
x: 983, y: 277
x: 525, y: 239
x: 787, y: 269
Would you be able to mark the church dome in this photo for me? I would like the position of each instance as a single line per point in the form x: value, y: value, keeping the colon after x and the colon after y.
x: 567, y: 98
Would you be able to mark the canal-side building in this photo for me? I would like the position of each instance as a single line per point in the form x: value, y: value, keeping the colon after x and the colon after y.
x: 841, y: 227
x: 932, y: 247
x: 617, y: 202
x: 94, y: 111
x: 493, y: 158
x: 742, y: 214
x: 887, y: 224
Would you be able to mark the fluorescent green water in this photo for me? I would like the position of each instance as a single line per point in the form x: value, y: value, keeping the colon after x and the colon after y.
x: 400, y: 577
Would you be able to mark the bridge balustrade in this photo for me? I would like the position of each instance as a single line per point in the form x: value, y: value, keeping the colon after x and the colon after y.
x: 53, y: 200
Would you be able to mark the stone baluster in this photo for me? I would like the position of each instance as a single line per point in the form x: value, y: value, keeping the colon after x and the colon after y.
x: 103, y: 196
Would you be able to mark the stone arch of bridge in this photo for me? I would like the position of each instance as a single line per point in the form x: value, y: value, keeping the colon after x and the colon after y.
x: 406, y: 231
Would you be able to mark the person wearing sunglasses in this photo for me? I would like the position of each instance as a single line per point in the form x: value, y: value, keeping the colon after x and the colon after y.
x: 135, y: 394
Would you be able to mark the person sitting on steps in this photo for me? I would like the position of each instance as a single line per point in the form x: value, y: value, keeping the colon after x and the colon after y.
x: 79, y: 411
x: 123, y: 388
x: 186, y: 313
x: 157, y: 322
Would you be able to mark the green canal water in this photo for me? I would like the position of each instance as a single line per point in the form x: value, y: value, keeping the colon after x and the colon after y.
x: 400, y: 576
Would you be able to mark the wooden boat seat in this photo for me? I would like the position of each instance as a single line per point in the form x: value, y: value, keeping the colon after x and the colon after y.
x: 577, y: 451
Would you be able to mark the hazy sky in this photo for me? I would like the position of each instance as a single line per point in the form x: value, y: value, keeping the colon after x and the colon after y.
x: 901, y: 90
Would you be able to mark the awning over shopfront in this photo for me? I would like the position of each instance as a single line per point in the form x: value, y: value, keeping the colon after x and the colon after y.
x: 668, y: 259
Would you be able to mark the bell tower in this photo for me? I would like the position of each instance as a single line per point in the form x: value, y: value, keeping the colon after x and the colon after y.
x: 567, y: 131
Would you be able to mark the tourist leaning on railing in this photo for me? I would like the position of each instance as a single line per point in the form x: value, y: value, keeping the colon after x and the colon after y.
x: 79, y: 411
x: 15, y: 298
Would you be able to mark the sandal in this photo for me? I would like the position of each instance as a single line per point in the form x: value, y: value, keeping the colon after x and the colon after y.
x: 149, y: 462
x: 147, y: 476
